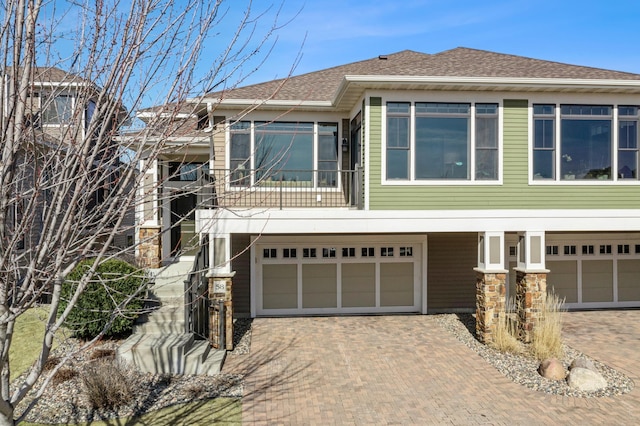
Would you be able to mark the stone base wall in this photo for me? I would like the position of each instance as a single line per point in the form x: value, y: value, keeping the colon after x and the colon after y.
x: 490, y: 302
x: 150, y: 247
x: 531, y: 293
x: 220, y: 289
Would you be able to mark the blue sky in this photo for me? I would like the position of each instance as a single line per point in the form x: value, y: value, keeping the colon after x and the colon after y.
x: 603, y: 34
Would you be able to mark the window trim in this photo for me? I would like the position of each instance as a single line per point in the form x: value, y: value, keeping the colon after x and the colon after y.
x: 558, y: 103
x: 441, y: 98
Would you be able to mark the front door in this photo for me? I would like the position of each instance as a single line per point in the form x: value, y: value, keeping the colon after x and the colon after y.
x: 184, y: 241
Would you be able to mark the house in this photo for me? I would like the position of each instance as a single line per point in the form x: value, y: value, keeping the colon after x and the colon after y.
x: 411, y: 182
x: 54, y: 116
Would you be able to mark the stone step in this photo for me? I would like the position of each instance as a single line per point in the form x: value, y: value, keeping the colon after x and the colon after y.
x: 202, y: 359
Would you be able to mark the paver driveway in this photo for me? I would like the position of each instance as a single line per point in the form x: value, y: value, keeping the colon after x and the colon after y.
x: 407, y: 370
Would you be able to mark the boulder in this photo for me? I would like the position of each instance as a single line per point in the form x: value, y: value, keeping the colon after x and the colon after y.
x: 586, y: 380
x: 583, y: 362
x: 552, y: 369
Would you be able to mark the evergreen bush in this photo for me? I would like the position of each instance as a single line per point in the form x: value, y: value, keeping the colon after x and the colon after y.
x: 114, y: 282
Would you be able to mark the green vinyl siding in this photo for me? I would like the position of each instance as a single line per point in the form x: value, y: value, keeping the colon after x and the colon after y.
x: 515, y: 191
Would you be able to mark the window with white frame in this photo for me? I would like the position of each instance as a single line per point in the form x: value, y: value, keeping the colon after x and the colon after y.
x: 628, y: 142
x: 303, y: 152
x: 582, y: 146
x: 57, y: 109
x: 442, y: 141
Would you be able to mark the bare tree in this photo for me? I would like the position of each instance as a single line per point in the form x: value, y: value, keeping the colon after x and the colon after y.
x: 72, y: 76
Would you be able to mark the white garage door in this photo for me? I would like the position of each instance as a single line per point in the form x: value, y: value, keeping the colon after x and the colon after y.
x: 595, y: 273
x: 327, y: 278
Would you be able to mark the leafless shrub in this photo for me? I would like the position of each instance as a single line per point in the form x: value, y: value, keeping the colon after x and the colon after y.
x: 106, y: 385
x: 62, y: 375
x: 51, y: 363
x: 102, y: 353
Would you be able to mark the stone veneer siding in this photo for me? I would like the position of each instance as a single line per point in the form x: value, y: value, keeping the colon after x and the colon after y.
x: 531, y: 292
x: 150, y: 247
x: 214, y: 319
x: 490, y: 301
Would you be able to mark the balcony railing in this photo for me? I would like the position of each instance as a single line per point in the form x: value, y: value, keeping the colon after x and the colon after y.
x: 281, y: 189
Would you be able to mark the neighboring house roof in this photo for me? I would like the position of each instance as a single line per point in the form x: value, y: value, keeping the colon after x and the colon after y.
x: 460, y: 68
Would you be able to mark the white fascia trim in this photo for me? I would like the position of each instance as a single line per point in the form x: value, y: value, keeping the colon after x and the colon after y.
x: 346, y: 221
x: 506, y: 82
x: 273, y: 103
x: 147, y: 114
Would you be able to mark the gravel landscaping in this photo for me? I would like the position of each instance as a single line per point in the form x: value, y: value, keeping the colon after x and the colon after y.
x: 67, y: 402
x: 523, y: 370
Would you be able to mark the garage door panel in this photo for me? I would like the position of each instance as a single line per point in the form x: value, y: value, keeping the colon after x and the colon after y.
x: 597, y: 281
x: 563, y: 278
x: 358, y: 285
x: 279, y: 287
x: 629, y: 280
x: 396, y: 284
x: 319, y: 286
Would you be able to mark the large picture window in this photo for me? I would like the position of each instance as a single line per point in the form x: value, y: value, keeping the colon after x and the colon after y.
x: 443, y: 143
x: 582, y: 146
x: 299, y: 153
x: 585, y: 142
x: 283, y: 151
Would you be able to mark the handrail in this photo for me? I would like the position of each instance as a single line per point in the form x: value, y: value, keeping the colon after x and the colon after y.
x: 196, y: 294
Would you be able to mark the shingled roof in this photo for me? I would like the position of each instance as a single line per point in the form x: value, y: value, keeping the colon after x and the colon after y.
x: 460, y: 62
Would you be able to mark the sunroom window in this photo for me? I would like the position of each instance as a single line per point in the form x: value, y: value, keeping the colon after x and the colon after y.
x: 302, y: 154
x: 440, y: 141
x: 583, y: 147
x: 283, y: 151
x: 585, y: 142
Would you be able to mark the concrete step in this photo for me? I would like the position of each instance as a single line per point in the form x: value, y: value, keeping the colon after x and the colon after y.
x: 157, y: 354
x: 159, y: 343
x: 201, y: 359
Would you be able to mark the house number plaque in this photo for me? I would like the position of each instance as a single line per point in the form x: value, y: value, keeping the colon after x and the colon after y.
x: 219, y: 286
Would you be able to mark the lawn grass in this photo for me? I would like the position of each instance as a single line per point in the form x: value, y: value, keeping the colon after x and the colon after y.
x: 27, y: 340
x: 226, y: 411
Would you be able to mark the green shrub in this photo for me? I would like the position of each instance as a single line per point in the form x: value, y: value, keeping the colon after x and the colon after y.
x: 113, y: 282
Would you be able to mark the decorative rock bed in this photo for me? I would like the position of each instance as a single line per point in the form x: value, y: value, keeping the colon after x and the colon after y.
x: 524, y: 370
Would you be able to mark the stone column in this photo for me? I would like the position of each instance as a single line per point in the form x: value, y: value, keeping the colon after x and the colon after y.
x: 531, y: 293
x: 150, y: 247
x: 220, y: 290
x: 490, y: 302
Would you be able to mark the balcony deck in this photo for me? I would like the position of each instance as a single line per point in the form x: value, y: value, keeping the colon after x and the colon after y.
x: 281, y: 189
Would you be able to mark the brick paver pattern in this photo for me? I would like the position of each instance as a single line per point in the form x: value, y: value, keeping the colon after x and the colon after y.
x: 384, y: 370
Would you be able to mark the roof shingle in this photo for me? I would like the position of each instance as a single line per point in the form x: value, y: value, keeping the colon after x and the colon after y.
x: 460, y: 62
